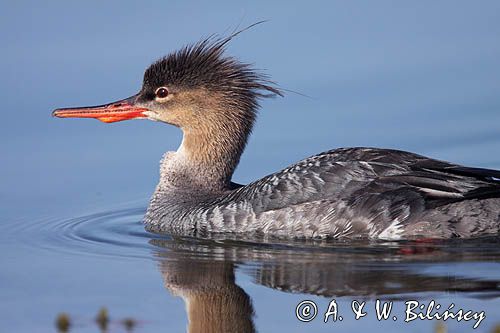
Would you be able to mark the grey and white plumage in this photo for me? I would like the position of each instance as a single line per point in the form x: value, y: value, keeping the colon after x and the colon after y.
x: 343, y: 193
x: 346, y: 193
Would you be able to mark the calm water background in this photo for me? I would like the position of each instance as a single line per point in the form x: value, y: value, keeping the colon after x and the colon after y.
x: 416, y: 76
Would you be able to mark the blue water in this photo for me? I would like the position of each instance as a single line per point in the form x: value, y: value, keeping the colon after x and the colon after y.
x: 421, y: 76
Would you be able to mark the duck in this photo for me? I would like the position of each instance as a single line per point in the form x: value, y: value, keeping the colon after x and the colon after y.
x: 344, y: 193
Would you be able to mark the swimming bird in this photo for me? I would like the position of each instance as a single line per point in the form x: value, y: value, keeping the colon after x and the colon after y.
x: 342, y: 194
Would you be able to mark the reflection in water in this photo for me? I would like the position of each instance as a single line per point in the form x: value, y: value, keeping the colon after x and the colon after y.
x: 202, y: 273
x: 214, y: 302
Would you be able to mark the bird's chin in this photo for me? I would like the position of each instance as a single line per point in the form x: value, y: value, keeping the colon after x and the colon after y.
x: 152, y: 115
x: 155, y: 116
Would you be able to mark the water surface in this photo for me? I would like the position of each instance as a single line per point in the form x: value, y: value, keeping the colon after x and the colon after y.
x: 108, y: 259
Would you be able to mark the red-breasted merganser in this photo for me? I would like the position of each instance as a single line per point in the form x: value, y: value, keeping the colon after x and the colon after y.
x: 343, y: 193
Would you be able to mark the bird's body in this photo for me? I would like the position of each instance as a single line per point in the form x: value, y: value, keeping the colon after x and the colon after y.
x: 343, y: 193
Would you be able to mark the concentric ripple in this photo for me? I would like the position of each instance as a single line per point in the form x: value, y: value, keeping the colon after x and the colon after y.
x: 118, y: 233
x: 121, y: 233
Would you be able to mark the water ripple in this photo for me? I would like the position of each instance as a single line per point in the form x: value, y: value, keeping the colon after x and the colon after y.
x: 118, y: 233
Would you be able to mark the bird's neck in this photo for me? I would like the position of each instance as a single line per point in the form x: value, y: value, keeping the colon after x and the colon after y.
x: 206, y: 158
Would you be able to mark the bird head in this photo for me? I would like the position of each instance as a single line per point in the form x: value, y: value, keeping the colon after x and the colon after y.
x: 195, y: 87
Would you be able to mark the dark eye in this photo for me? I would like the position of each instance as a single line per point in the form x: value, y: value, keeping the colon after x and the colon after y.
x: 161, y: 92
